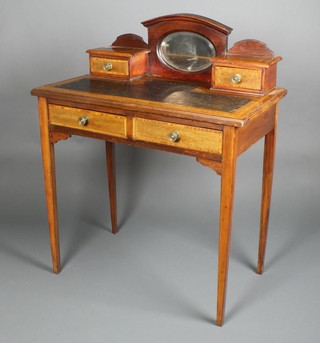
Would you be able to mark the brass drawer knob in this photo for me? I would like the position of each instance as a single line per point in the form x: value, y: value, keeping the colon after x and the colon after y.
x: 174, y: 136
x: 236, y: 78
x: 83, y: 121
x: 107, y: 66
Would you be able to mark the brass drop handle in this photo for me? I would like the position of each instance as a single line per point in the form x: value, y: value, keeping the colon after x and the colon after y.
x: 236, y: 78
x: 83, y: 121
x: 174, y: 136
x: 107, y: 66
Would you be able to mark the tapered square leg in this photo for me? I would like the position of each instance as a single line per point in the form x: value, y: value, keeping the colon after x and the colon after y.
x: 111, y: 170
x: 50, y: 183
x: 268, y: 167
x: 226, y: 209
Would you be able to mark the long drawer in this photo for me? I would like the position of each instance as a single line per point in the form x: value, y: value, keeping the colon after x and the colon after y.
x: 90, y: 121
x: 177, y: 135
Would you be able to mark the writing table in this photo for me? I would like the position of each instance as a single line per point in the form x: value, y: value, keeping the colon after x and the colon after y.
x: 174, y: 114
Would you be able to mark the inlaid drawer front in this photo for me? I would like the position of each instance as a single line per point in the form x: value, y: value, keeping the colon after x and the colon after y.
x: 92, y: 121
x: 109, y: 66
x: 182, y: 136
x: 240, y: 78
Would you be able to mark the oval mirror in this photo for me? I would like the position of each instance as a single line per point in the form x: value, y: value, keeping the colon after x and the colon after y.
x: 186, y: 51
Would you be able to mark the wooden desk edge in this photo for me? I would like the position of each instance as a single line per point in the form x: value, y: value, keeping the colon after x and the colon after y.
x: 238, y: 118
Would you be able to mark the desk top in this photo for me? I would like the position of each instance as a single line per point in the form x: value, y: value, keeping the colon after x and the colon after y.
x: 166, y: 97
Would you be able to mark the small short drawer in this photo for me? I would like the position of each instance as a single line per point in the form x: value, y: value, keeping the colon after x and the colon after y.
x: 90, y: 121
x: 109, y: 66
x: 251, y: 68
x: 118, y: 62
x: 238, y: 78
x: 177, y: 135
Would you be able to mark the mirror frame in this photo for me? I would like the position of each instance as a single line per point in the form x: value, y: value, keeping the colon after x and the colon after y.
x: 161, y: 27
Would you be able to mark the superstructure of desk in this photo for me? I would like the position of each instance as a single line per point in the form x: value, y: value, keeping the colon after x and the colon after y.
x: 173, y: 115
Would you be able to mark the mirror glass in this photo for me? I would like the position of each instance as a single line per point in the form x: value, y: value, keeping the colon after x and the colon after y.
x: 186, y: 51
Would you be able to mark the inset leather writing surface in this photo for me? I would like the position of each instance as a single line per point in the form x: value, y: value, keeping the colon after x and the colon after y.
x: 161, y: 91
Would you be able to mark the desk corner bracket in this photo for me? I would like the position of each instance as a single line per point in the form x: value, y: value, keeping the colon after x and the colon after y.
x: 214, y: 165
x: 56, y: 136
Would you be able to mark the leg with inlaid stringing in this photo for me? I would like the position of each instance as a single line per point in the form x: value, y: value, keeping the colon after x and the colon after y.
x: 111, y: 170
x: 50, y: 183
x: 268, y: 167
x: 226, y: 209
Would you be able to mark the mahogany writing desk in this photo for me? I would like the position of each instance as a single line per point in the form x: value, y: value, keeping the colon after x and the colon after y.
x: 176, y: 115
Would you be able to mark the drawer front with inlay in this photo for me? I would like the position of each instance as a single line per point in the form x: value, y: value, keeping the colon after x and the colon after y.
x: 91, y: 121
x: 109, y: 66
x: 182, y: 136
x: 238, y: 78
